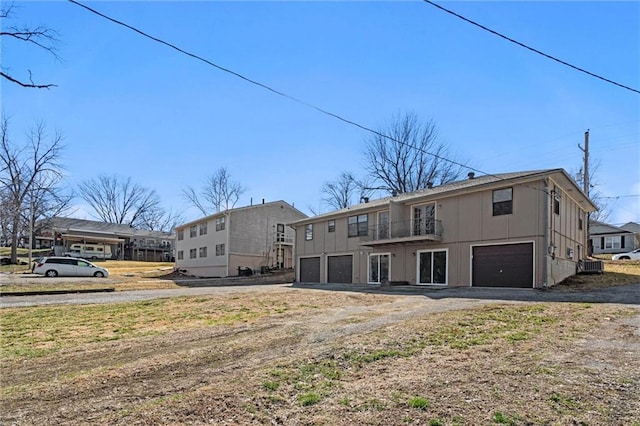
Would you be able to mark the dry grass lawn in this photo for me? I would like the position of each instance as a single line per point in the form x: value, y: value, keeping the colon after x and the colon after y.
x: 309, y: 357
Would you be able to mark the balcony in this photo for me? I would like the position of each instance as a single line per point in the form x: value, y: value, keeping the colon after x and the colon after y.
x: 279, y: 238
x: 403, y: 232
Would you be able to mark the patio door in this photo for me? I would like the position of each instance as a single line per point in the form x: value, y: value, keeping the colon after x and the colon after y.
x: 432, y: 267
x: 379, y: 268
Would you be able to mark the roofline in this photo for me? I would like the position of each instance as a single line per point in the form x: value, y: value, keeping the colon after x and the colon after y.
x: 232, y: 210
x: 532, y: 176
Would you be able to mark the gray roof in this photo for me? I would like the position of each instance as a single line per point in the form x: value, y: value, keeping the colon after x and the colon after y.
x: 601, y: 228
x: 632, y: 227
x: 228, y: 211
x: 67, y: 224
x: 452, y: 187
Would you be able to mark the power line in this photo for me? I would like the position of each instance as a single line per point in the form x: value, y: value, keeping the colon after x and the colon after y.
x: 621, y: 196
x: 294, y: 99
x: 277, y: 92
x: 553, y: 58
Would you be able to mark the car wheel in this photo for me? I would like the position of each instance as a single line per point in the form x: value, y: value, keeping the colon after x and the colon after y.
x: 51, y: 273
x: 98, y: 275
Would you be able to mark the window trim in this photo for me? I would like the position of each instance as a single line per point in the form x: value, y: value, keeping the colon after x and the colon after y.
x: 331, y: 225
x: 580, y: 220
x: 446, y: 271
x: 378, y: 255
x: 361, y: 228
x: 612, y: 240
x: 220, y: 223
x: 502, y: 206
x: 556, y: 200
x: 308, y: 232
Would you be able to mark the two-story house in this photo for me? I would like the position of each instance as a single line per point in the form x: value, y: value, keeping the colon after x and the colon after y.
x: 525, y: 229
x: 252, y: 237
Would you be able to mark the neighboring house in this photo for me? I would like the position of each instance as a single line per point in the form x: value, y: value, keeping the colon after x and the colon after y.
x: 125, y: 243
x: 255, y: 237
x: 607, y: 239
x: 525, y: 229
x: 635, y: 229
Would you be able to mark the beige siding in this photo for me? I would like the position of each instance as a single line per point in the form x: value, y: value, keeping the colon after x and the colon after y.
x: 249, y: 238
x: 467, y: 220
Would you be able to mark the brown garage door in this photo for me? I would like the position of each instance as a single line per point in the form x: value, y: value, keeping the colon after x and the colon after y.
x: 340, y: 269
x: 310, y: 270
x: 506, y: 265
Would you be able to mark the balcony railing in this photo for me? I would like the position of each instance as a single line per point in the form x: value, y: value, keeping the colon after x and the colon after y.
x: 408, y: 230
x: 286, y: 239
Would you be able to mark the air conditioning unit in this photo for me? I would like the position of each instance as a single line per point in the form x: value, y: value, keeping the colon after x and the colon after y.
x: 590, y: 267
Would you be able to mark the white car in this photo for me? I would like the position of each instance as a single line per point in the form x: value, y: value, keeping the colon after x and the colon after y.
x: 633, y: 255
x: 68, y: 267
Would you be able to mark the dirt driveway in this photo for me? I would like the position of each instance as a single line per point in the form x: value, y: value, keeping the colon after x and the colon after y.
x: 352, y: 355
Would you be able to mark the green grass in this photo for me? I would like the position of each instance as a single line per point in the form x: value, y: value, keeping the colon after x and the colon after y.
x: 308, y: 398
x: 504, y: 419
x: 419, y: 403
x: 270, y: 385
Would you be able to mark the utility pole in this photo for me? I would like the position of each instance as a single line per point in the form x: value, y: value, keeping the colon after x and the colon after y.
x: 585, y: 178
x: 585, y: 186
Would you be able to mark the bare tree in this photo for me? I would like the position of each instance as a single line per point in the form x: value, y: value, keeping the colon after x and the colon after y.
x: 159, y: 219
x: 340, y: 193
x: 118, y: 200
x: 603, y: 212
x: 40, y: 37
x: 219, y: 193
x: 411, y: 157
x: 29, y: 176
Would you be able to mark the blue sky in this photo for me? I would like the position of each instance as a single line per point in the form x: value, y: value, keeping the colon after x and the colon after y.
x: 130, y: 106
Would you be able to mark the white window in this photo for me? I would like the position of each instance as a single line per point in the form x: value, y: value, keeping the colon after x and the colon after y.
x: 308, y: 234
x: 432, y: 267
x: 612, y: 242
x: 180, y: 255
x: 203, y: 252
x: 424, y: 219
x: 219, y: 249
x: 379, y: 268
x: 192, y: 253
x: 193, y: 231
x: 203, y: 228
x: 383, y: 225
x: 220, y: 224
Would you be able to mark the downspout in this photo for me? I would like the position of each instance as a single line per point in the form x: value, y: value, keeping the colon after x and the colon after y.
x: 227, y: 227
x: 545, y: 226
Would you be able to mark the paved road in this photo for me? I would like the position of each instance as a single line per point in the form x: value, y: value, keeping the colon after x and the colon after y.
x: 628, y: 294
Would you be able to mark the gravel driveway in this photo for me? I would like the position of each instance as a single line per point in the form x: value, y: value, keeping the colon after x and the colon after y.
x: 626, y: 295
